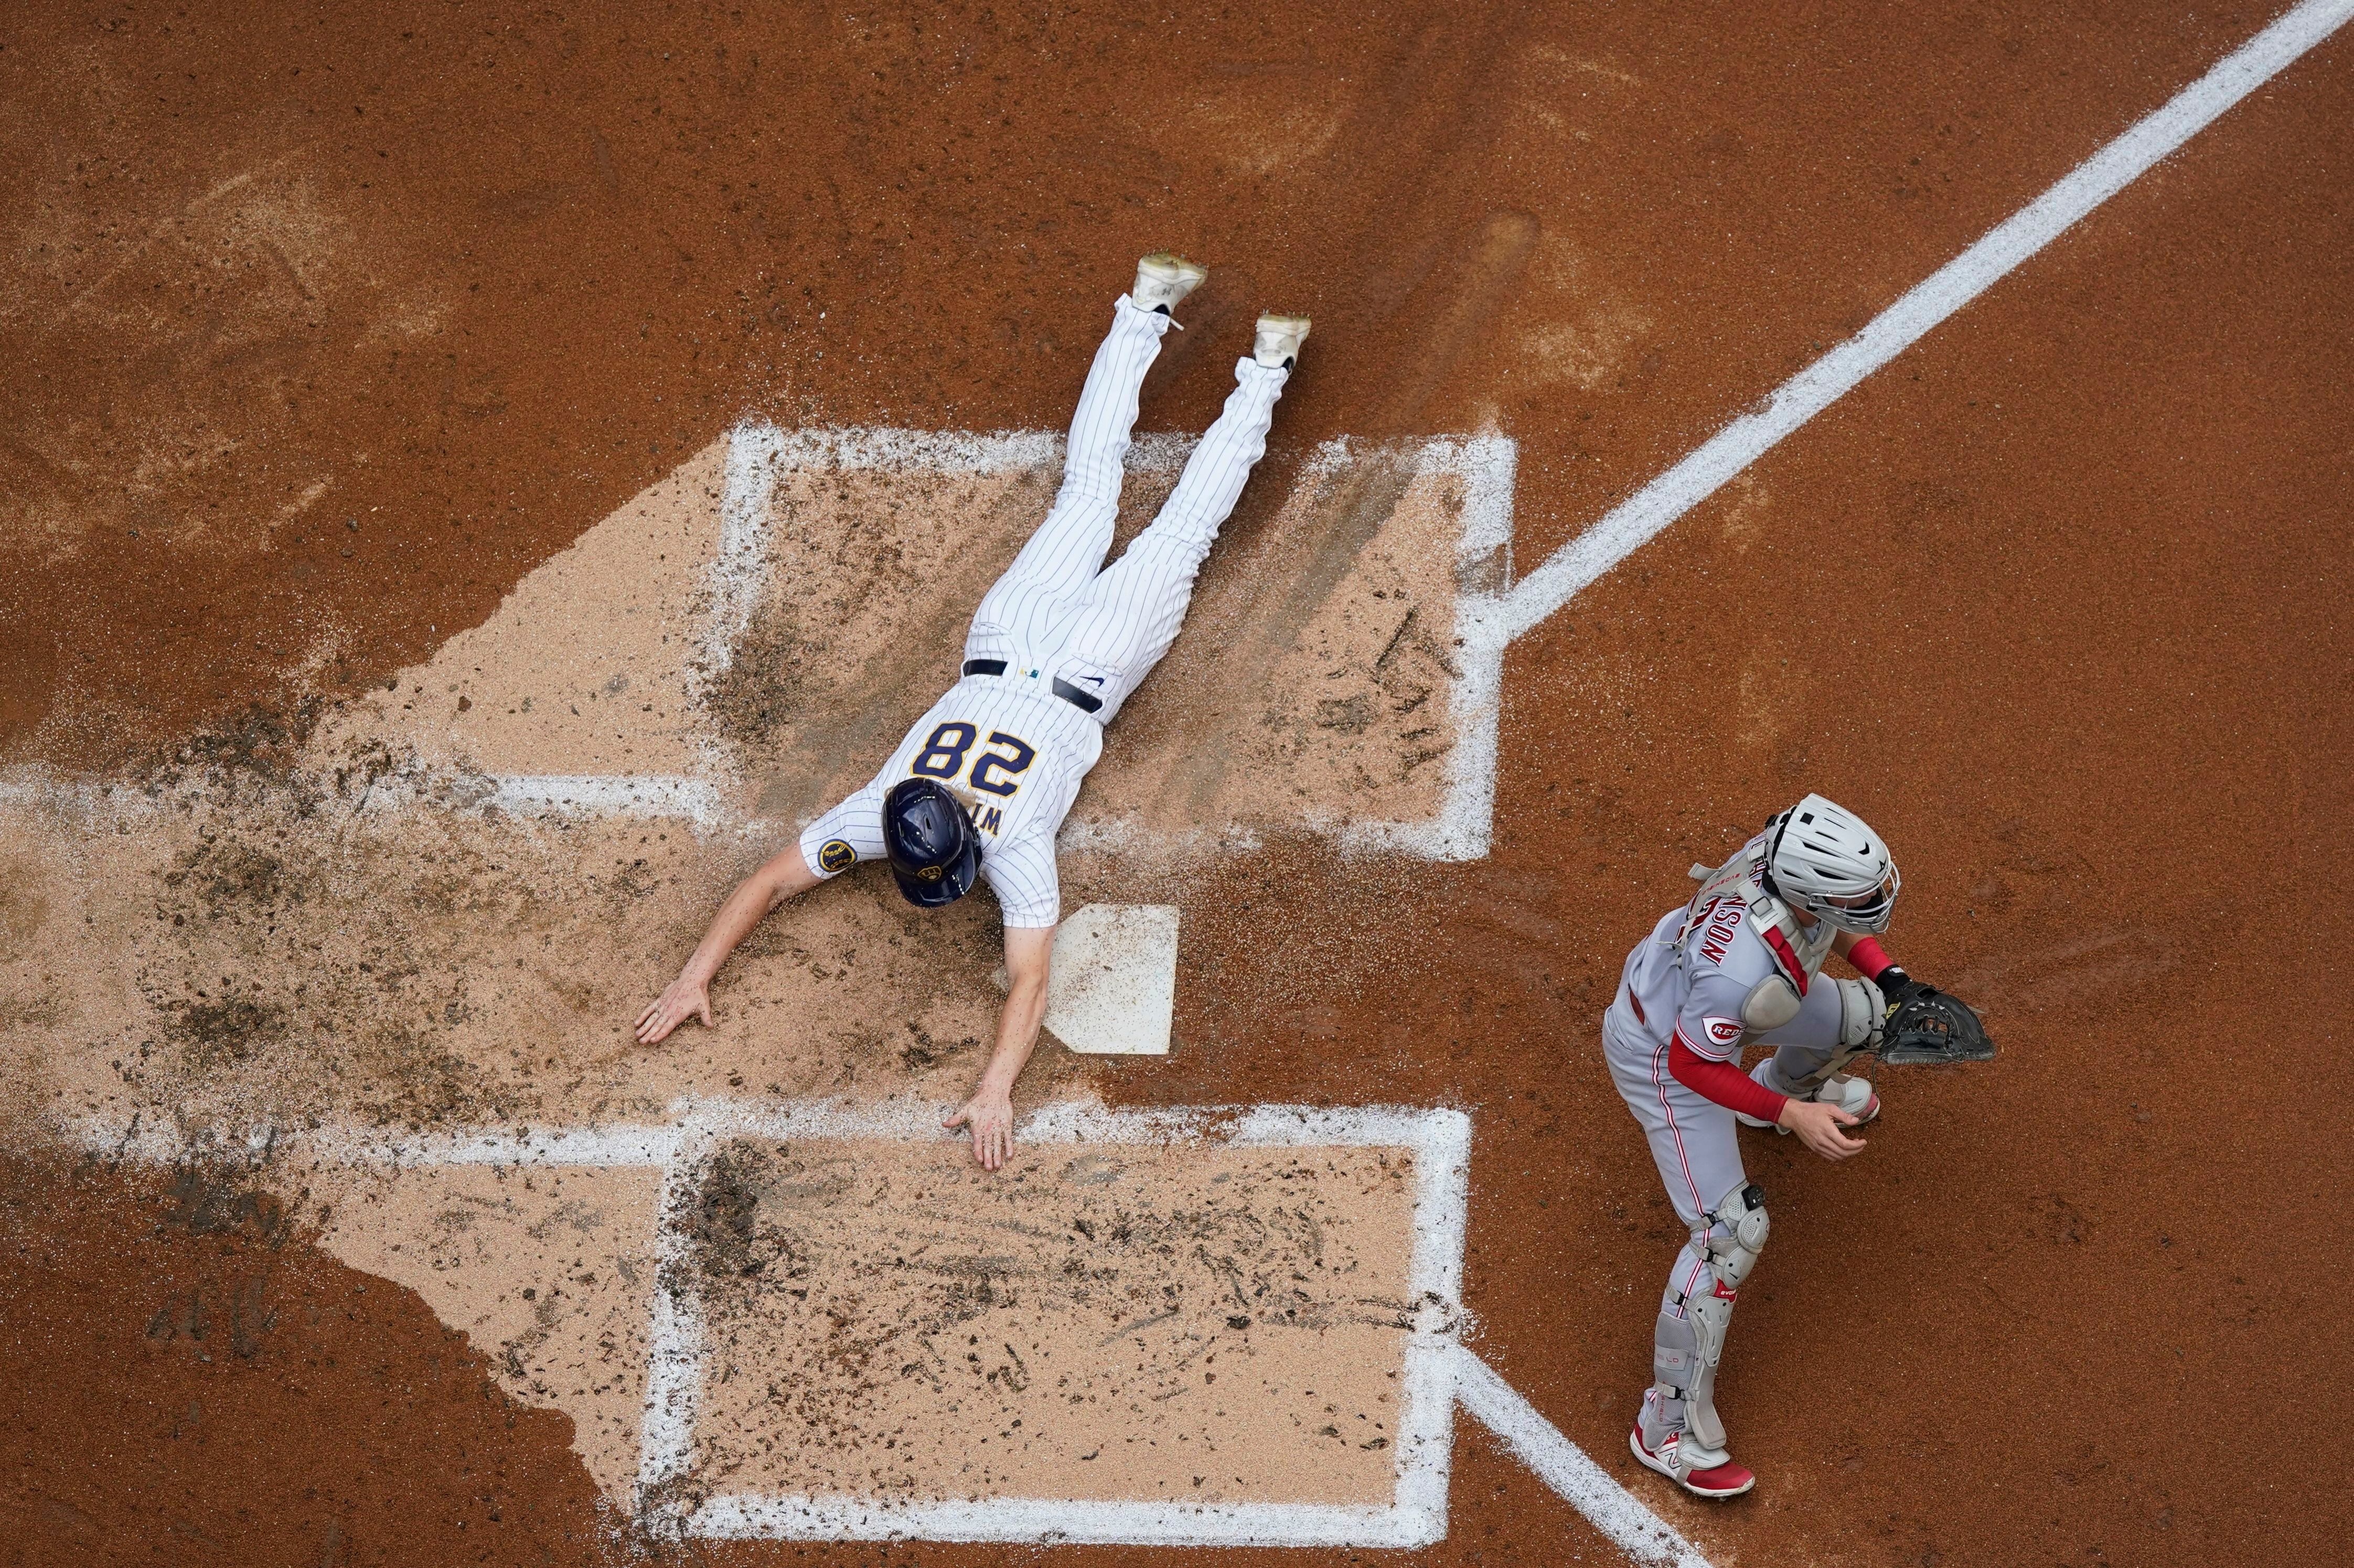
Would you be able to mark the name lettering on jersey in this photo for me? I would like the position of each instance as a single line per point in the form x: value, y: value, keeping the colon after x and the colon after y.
x: 1723, y: 921
x: 1722, y: 1030
x: 835, y: 857
x: 984, y: 817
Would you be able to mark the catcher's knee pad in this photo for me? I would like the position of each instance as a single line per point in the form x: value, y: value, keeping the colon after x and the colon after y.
x: 1688, y: 1343
x: 1736, y: 1233
x: 1862, y: 1010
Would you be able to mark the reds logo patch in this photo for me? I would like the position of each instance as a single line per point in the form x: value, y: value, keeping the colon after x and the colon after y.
x: 1722, y: 1030
x: 835, y: 857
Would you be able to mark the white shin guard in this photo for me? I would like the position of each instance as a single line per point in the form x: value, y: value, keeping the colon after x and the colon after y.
x: 1688, y: 1343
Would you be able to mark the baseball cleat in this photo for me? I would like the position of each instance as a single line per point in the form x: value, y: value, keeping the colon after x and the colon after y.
x: 1278, y: 344
x: 1725, y: 1481
x: 1162, y: 279
x: 1854, y: 1096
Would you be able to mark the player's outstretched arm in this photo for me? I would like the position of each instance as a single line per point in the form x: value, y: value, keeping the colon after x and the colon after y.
x: 989, y: 1115
x: 689, y: 996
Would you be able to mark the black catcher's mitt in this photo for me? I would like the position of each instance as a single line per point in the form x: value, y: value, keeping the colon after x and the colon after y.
x: 1927, y: 1025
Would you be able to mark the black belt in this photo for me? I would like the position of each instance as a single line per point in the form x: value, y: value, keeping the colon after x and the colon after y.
x: 1086, y: 702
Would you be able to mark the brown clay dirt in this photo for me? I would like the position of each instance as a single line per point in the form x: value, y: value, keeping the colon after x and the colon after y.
x: 326, y: 330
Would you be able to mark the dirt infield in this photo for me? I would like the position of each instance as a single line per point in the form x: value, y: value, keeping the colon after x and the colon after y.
x: 878, y: 1270
x: 329, y: 333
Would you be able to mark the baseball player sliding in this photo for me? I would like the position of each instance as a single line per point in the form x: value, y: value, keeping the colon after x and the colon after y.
x: 982, y: 783
x: 1741, y: 963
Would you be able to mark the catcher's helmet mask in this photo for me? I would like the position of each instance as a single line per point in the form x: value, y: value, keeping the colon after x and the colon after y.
x: 1836, y: 869
x: 934, y: 852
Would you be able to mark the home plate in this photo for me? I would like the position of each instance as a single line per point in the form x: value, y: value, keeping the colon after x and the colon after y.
x: 1114, y: 983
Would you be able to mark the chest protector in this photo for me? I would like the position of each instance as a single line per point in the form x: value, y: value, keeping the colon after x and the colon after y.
x: 1799, y: 953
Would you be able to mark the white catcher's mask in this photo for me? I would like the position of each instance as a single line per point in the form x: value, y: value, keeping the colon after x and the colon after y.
x: 1822, y: 858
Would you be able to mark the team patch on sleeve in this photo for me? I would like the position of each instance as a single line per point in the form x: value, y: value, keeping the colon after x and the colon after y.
x: 835, y: 857
x: 1722, y: 1033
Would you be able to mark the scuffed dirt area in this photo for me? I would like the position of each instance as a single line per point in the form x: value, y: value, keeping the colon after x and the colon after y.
x: 1310, y: 688
x: 326, y: 329
x: 223, y: 949
x: 178, y: 1325
x: 1314, y: 680
x: 549, y: 1273
x: 1112, y: 1322
x: 868, y: 579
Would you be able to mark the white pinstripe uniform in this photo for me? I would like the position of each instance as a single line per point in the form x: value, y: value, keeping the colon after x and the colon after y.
x: 1058, y: 614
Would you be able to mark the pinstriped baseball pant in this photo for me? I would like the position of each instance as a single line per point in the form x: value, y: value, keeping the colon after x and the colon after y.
x: 1057, y: 610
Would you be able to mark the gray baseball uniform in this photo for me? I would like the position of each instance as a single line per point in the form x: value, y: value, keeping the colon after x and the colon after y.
x: 1692, y: 992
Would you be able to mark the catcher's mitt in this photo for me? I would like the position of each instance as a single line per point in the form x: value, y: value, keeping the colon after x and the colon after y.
x: 1927, y: 1025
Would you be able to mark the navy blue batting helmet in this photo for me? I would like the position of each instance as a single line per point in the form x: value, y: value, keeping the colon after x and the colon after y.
x: 934, y: 852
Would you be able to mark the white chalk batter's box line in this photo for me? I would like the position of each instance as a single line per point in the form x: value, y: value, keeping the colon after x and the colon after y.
x: 760, y: 455
x: 1437, y: 1372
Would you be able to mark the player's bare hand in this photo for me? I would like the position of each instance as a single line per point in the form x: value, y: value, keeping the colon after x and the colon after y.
x: 1817, y: 1127
x: 990, y: 1117
x: 682, y: 999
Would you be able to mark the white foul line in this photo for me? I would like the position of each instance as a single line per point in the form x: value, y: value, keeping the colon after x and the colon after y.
x: 1565, y: 1466
x: 1637, y: 520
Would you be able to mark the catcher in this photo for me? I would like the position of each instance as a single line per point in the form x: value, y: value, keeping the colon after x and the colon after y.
x: 1741, y: 963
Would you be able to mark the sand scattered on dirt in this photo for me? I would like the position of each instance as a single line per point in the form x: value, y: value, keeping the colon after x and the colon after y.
x: 1312, y: 686
x: 583, y: 669
x: 1197, y: 1322
x: 243, y: 956
x: 872, y: 577
x: 548, y: 1271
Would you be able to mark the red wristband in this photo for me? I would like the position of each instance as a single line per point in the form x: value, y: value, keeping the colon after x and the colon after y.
x: 1868, y: 957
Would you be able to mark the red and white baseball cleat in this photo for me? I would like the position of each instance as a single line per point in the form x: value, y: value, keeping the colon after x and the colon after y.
x: 1725, y: 1481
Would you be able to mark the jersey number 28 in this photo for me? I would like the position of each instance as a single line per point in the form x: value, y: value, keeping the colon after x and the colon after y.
x: 993, y: 773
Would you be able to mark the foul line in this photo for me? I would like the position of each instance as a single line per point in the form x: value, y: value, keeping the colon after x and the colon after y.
x: 1641, y: 517
x: 1561, y: 1465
